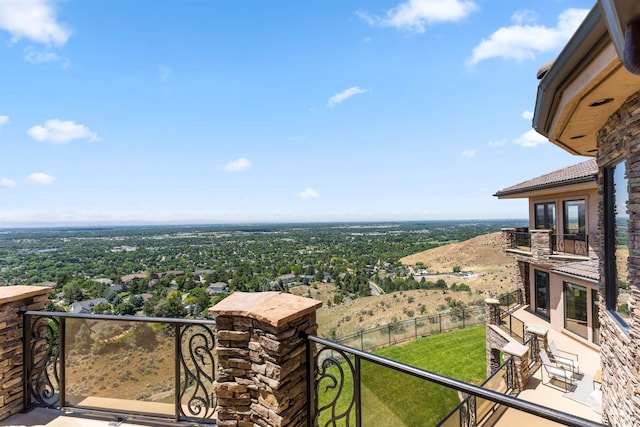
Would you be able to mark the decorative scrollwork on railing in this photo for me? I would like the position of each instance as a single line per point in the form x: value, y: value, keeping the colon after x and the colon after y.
x: 44, y: 380
x: 330, y: 375
x: 197, y: 369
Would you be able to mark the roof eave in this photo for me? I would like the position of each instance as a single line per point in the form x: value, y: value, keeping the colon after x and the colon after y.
x: 570, y: 61
x: 526, y: 192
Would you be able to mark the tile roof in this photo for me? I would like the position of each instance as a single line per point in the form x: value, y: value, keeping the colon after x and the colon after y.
x: 582, y: 269
x: 582, y: 172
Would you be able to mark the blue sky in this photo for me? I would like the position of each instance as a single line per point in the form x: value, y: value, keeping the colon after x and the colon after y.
x: 157, y: 111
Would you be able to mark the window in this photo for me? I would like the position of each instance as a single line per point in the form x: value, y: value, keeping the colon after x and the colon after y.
x: 574, y: 219
x: 575, y: 309
x: 594, y: 316
x: 616, y: 251
x: 545, y: 216
x: 542, y: 293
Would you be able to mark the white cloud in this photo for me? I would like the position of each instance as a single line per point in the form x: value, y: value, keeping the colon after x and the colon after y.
x: 527, y: 115
x: 4, y: 120
x: 34, y: 20
x: 36, y: 57
x: 61, y: 132
x: 7, y: 182
x: 497, y: 143
x: 308, y: 193
x: 523, y: 41
x: 40, y: 179
x: 531, y: 138
x: 469, y: 153
x: 237, y: 165
x: 344, y: 95
x: 414, y: 15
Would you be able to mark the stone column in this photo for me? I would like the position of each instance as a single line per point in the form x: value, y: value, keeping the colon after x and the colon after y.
x: 261, y: 377
x: 541, y: 244
x: 508, y: 238
x: 14, y: 301
x: 539, y: 342
x: 520, y: 354
x: 492, y: 314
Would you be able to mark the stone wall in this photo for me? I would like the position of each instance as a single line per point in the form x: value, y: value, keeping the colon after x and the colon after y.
x: 620, y: 139
x: 262, y: 369
x: 15, y: 300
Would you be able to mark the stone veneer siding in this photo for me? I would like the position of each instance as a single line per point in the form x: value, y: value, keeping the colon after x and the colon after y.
x: 619, y: 139
x: 262, y: 367
x: 14, y: 300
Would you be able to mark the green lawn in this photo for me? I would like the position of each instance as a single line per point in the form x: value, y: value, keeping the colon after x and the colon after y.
x: 393, y: 398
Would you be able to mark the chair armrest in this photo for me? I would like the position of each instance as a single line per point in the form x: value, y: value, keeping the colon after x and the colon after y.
x: 568, y: 353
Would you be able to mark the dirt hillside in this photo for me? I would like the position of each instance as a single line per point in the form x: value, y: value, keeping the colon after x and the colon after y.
x: 493, y: 274
x: 478, y: 254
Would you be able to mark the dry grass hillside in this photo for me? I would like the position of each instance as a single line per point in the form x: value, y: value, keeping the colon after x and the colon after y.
x: 493, y: 275
x: 480, y: 254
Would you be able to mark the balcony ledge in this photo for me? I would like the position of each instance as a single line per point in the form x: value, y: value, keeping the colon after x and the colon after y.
x: 519, y: 252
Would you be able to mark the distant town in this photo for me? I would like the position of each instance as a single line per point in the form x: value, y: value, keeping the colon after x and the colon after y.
x: 179, y: 271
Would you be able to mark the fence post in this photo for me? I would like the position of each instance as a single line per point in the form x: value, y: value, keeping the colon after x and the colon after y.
x: 463, y: 317
x: 440, y: 321
x: 15, y: 393
x: 362, y: 340
x: 415, y: 324
x: 389, y: 333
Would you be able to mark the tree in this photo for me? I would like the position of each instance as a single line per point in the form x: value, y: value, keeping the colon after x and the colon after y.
x: 457, y: 269
x: 136, y: 300
x: 125, y: 309
x: 72, y: 292
x: 101, y: 308
x: 171, y: 306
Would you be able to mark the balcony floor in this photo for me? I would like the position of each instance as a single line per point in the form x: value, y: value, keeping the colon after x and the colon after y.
x: 550, y: 396
x: 43, y: 417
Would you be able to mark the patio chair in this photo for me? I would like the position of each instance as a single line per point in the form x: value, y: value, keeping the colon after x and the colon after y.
x: 564, y: 358
x: 555, y: 371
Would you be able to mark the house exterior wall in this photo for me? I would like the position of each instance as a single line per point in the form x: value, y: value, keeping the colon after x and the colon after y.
x: 589, y: 195
x: 557, y: 303
x: 619, y: 139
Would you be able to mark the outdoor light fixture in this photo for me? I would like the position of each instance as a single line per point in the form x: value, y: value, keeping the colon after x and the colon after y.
x: 622, y: 18
x: 631, y: 54
x: 600, y: 102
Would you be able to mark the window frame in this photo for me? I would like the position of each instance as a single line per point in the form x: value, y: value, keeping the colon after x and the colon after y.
x: 566, y: 290
x: 538, y: 311
x: 582, y: 219
x: 610, y: 245
x: 546, y: 217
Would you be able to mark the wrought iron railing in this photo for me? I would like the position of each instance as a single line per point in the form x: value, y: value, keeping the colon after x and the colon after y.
x: 511, y: 324
x: 575, y: 244
x: 132, y: 366
x: 341, y: 394
x: 411, y: 329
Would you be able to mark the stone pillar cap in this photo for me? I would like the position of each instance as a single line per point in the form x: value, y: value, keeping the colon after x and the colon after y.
x: 515, y: 349
x: 275, y: 308
x: 492, y: 301
x: 536, y: 329
x: 18, y: 292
